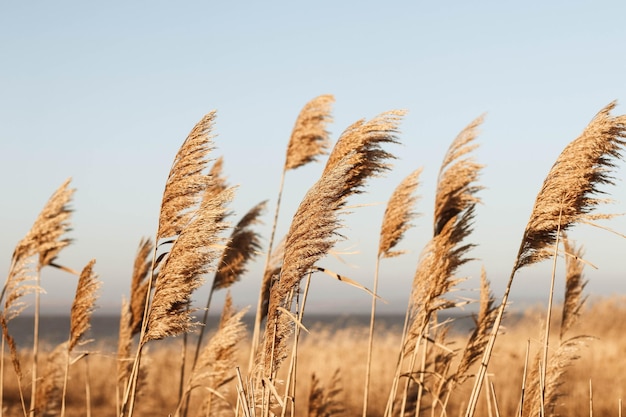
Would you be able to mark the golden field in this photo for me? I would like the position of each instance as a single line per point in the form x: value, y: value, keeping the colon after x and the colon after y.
x: 324, y: 352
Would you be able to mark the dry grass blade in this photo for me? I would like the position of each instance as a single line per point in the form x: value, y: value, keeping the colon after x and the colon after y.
x: 84, y: 304
x: 192, y: 252
x: 244, y: 245
x: 324, y: 401
x: 574, y: 285
x: 345, y: 279
x: 570, y: 188
x: 309, y: 138
x: 398, y: 215
x: 456, y: 184
x: 186, y: 181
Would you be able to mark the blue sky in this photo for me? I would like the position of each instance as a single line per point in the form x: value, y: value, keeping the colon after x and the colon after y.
x: 105, y: 93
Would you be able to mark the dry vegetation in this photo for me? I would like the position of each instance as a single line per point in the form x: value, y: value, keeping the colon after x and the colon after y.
x: 279, y: 367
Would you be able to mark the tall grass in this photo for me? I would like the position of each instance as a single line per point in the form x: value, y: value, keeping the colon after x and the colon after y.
x: 423, y: 368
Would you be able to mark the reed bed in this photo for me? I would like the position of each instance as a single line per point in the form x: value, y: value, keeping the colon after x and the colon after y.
x: 551, y: 361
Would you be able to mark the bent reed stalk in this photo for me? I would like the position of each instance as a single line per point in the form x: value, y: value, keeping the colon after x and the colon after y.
x: 566, y: 198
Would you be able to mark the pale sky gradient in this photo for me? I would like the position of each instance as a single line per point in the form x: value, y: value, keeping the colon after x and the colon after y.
x: 106, y: 92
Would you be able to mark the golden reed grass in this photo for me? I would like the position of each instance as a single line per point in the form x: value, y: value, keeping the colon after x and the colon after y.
x: 567, y: 197
x: 309, y: 140
x: 433, y: 373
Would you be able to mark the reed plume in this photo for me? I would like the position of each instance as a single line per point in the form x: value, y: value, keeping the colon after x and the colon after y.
x: 131, y: 316
x: 185, y: 210
x: 396, y: 221
x: 186, y: 181
x: 455, y: 202
x: 562, y: 358
x: 456, y: 182
x: 191, y: 254
x: 314, y: 229
x: 46, y: 236
x: 216, y: 363
x: 398, y: 215
x: 80, y: 316
x: 218, y: 181
x: 309, y: 137
x: 568, y: 196
x: 45, y: 239
x: 309, y: 140
x: 84, y: 304
x: 366, y: 138
x: 574, y: 285
x: 312, y: 234
x: 244, y: 245
x: 139, y: 284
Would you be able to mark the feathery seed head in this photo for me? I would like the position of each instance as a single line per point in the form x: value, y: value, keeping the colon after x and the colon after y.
x: 568, y: 194
x: 309, y: 138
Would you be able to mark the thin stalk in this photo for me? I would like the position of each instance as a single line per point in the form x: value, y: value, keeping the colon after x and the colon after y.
x: 396, y: 378
x: 67, y: 372
x: 290, y: 386
x: 183, y: 358
x: 546, y: 340
x: 370, y: 343
x: 129, y: 394
x: 257, y: 318
x: 542, y: 386
x: 521, y: 406
x: 35, y: 355
x: 418, y: 342
x: 495, y: 398
x: 590, y: 399
x: 87, y: 387
x: 420, y: 385
x: 196, y: 354
x: 488, y: 398
x: 480, y: 376
x: 2, y: 376
x: 205, y: 319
